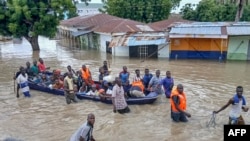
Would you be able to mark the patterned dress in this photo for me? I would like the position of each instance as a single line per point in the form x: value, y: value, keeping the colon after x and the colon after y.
x: 118, y: 94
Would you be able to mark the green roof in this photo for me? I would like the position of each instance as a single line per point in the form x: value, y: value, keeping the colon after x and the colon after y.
x: 90, y: 5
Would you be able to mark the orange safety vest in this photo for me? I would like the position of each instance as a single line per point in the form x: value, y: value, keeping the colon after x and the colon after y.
x: 138, y: 84
x: 182, y: 101
x: 85, y: 74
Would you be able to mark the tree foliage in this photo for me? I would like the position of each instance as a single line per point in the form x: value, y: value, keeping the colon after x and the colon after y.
x: 31, y: 18
x: 140, y: 10
x: 212, y: 10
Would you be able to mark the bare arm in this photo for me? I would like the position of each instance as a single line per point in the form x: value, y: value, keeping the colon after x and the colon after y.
x: 225, y: 106
x: 113, y: 102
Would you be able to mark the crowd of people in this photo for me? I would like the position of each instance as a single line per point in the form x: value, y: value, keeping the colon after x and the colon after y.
x: 121, y: 88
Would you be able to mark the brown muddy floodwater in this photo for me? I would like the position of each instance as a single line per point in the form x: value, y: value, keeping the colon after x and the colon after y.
x: 46, y: 117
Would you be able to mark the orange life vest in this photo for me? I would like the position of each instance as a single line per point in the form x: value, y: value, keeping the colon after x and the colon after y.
x: 138, y: 84
x: 86, y: 76
x: 182, y: 101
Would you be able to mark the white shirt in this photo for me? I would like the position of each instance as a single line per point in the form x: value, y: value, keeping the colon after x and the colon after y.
x: 21, y: 79
x: 82, y: 131
x: 236, y: 109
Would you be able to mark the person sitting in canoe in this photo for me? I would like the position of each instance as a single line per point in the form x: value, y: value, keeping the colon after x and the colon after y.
x: 101, y: 75
x: 137, y: 88
x: 71, y: 70
x: 86, y: 76
x: 43, y: 80
x: 93, y: 91
x: 105, y: 91
x: 41, y: 66
x: 34, y: 68
x: 105, y: 68
x: 55, y: 76
x: 58, y: 84
x: 29, y: 70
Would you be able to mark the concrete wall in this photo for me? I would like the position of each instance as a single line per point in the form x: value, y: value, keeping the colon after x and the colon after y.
x: 198, y: 48
x: 87, y: 11
x: 238, y: 47
x: 120, y: 51
x: 163, y: 51
x: 103, y: 39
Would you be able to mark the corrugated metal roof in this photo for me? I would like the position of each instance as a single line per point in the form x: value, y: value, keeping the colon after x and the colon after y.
x: 196, y: 30
x: 238, y: 30
x: 204, y: 24
x: 146, y: 40
x: 138, y: 39
x: 88, y: 21
x: 106, y: 24
x: 165, y: 24
x: 122, y: 25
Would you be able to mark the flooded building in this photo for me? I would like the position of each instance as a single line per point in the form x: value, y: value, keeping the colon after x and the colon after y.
x: 239, y: 41
x: 101, y: 31
x: 198, y: 40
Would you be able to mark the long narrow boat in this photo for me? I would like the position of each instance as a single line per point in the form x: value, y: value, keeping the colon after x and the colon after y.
x: 82, y: 96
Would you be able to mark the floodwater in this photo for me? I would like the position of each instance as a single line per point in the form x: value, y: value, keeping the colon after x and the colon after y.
x: 46, y: 117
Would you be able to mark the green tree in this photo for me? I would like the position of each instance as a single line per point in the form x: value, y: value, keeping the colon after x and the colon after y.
x: 31, y: 18
x: 3, y: 19
x: 246, y: 13
x: 140, y: 10
x: 206, y: 11
x: 188, y: 12
x: 225, y: 12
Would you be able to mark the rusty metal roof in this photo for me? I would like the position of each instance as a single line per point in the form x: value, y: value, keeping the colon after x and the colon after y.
x: 89, y: 21
x: 165, y: 24
x: 123, y: 26
x: 137, y: 39
x: 106, y: 24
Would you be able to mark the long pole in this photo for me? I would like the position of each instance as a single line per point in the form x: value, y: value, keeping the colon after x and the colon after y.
x: 14, y: 82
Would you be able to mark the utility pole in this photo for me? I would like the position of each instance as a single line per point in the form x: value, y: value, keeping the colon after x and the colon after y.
x: 240, y: 7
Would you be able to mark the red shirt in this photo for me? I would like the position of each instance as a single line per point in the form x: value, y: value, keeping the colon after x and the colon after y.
x: 41, y: 67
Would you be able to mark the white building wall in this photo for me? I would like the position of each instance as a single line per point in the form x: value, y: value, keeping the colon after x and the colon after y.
x: 87, y: 11
x: 163, y: 51
x: 103, y: 39
x: 120, y: 51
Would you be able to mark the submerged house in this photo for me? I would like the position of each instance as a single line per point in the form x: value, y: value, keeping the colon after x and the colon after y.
x: 239, y: 41
x: 198, y: 40
x: 101, y: 31
x: 140, y: 44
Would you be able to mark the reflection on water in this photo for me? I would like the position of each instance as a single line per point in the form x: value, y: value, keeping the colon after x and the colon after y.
x: 45, y: 117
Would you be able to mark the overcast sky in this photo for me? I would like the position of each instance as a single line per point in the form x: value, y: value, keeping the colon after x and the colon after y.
x: 183, y: 2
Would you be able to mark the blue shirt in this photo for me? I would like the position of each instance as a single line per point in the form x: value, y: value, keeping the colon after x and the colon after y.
x: 168, y: 84
x: 146, y: 79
